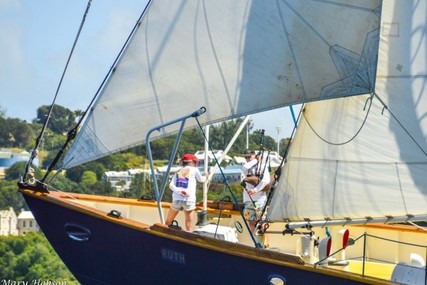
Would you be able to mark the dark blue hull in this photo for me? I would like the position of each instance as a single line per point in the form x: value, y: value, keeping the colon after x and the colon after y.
x: 99, y: 250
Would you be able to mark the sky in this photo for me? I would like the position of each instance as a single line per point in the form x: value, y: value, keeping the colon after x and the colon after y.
x: 36, y: 38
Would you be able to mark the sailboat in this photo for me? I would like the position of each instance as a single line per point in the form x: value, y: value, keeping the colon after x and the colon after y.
x: 354, y: 176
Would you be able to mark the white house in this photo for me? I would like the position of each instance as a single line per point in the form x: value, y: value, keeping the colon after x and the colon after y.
x: 121, y: 180
x: 232, y: 173
x: 8, y: 222
x: 27, y: 223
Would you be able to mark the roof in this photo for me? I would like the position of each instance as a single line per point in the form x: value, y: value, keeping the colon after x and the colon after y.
x: 116, y: 174
x: 24, y: 215
x: 230, y: 171
x: 218, y: 154
x: 4, y: 213
x: 138, y: 171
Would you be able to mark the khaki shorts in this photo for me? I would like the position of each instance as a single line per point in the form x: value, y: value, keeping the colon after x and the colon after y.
x: 180, y: 205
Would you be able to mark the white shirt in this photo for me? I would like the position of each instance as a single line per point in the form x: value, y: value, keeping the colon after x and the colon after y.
x: 185, y: 180
x: 249, y: 168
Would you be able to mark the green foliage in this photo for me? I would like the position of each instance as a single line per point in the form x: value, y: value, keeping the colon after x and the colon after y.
x: 221, y: 135
x: 15, y: 171
x: 52, y: 143
x: 102, y: 188
x: 162, y: 148
x: 141, y: 185
x: 75, y: 174
x: 10, y: 197
x: 31, y: 257
x: 15, y: 133
x: 218, y: 191
x: 64, y: 184
x: 257, y: 138
x: 284, y: 146
x: 133, y: 161
x: 89, y: 178
x: 62, y: 120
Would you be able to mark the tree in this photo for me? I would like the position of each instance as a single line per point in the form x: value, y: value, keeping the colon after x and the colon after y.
x: 10, y: 197
x: 2, y: 112
x: 15, y: 171
x: 31, y: 257
x: 284, y: 146
x: 21, y: 132
x: 75, y: 174
x: 15, y: 133
x: 89, y: 178
x: 66, y: 185
x: 161, y: 148
x: 62, y: 120
x: 221, y: 135
x: 257, y: 138
x: 133, y: 160
x: 141, y: 185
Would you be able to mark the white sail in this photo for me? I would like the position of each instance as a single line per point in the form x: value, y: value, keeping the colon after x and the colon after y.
x: 234, y: 58
x: 380, y: 169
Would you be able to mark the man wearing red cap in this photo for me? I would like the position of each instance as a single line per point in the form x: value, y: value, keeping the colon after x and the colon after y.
x: 183, y: 185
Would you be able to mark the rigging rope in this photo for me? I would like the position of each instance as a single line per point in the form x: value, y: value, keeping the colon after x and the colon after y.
x: 72, y: 133
x: 385, y: 107
x: 277, y: 173
x: 257, y: 244
x: 355, y: 135
x: 40, y: 137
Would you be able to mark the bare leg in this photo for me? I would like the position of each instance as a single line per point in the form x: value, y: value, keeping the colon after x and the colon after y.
x: 171, y: 216
x: 252, y: 225
x: 189, y: 217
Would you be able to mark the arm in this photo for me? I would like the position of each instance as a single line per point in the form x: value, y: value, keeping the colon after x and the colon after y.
x: 248, y: 165
x: 265, y: 181
x: 199, y: 177
x: 173, y: 187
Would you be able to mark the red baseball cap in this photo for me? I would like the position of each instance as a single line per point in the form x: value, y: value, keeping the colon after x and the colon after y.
x: 189, y: 157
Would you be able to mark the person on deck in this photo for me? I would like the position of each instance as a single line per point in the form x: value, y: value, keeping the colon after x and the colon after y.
x: 183, y: 185
x: 254, y: 194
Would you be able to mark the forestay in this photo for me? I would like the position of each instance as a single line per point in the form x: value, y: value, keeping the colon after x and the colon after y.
x: 234, y: 58
x: 382, y: 171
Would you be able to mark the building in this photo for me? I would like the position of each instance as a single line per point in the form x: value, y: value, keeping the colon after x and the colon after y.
x: 232, y: 173
x: 121, y: 180
x: 8, y: 158
x: 8, y: 222
x: 211, y: 156
x: 27, y: 223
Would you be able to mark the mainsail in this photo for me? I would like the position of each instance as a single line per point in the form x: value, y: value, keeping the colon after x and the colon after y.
x: 352, y: 159
x: 232, y: 57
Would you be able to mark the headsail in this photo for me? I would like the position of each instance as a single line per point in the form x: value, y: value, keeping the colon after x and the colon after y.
x: 379, y: 169
x: 234, y: 58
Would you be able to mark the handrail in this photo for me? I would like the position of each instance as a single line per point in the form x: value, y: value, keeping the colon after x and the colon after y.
x: 158, y: 193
